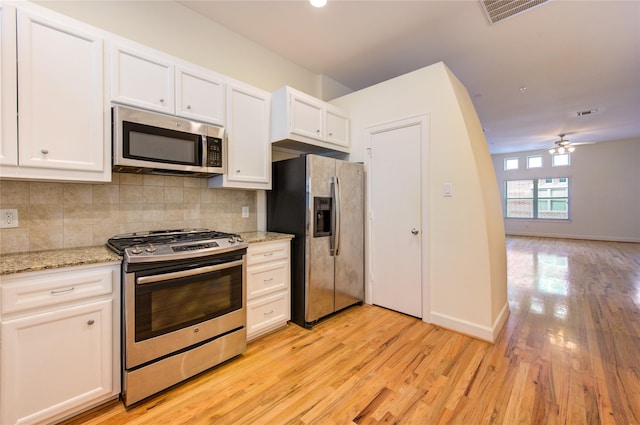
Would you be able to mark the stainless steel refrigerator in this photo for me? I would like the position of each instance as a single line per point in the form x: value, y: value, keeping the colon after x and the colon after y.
x: 320, y: 200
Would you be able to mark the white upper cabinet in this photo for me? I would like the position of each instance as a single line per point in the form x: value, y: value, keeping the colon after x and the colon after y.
x: 306, y: 115
x: 199, y: 95
x: 336, y: 126
x: 304, y: 123
x: 248, y: 147
x: 63, y: 125
x: 148, y: 79
x: 8, y: 88
x: 143, y: 79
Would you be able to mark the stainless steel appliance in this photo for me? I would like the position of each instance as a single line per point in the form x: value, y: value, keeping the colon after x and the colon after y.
x: 184, y: 308
x: 151, y: 143
x: 321, y: 201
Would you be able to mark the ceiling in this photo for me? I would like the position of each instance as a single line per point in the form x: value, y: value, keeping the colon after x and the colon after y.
x: 528, y: 75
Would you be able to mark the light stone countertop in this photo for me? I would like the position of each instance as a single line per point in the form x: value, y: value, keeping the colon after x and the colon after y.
x: 55, y: 259
x: 259, y: 236
x: 22, y: 262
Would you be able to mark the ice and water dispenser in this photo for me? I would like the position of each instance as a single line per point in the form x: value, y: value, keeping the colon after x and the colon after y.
x: 322, y: 213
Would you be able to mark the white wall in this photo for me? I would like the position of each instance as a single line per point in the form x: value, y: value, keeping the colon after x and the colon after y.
x: 466, y: 248
x: 604, y: 185
x: 174, y: 29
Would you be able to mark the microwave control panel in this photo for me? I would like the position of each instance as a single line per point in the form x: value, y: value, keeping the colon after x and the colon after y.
x: 214, y: 152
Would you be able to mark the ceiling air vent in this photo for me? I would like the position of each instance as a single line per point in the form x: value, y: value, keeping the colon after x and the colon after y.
x: 499, y: 10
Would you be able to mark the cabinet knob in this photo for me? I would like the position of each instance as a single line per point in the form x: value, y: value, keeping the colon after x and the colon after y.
x: 44, y: 151
x: 188, y: 106
x: 238, y: 171
x: 90, y: 322
x: 161, y: 100
x: 318, y: 131
x: 330, y: 134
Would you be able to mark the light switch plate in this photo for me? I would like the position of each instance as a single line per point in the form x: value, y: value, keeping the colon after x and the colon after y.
x: 447, y: 189
x: 245, y: 212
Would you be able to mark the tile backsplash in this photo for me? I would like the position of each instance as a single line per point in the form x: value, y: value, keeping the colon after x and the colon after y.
x: 67, y: 215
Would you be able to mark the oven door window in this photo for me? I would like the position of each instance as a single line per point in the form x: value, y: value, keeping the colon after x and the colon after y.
x: 166, y: 306
x: 157, y: 144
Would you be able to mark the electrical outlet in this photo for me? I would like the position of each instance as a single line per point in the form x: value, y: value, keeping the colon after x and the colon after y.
x: 8, y: 218
x: 245, y: 212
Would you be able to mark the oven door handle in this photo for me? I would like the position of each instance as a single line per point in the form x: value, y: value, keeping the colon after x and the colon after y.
x: 186, y: 273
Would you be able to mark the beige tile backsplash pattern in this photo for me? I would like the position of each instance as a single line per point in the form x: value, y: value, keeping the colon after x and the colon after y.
x: 68, y: 215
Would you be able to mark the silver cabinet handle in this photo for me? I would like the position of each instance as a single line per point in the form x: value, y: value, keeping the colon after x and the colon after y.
x: 62, y: 291
x: 415, y: 231
x: 268, y: 313
x: 188, y: 106
x: 161, y: 100
x: 44, y: 151
x: 268, y: 280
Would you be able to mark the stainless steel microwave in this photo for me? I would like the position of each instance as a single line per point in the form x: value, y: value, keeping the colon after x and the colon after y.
x: 151, y: 143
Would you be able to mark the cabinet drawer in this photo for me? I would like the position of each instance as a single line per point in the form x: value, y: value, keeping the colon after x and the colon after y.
x: 270, y: 277
x: 49, y: 289
x: 261, y: 253
x: 266, y: 312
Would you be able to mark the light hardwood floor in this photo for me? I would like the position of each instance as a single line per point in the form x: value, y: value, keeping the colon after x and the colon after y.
x: 569, y: 354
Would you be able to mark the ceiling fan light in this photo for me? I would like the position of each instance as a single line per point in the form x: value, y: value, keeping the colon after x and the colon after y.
x: 552, y: 151
x: 561, y: 150
x: 318, y: 3
x: 571, y: 149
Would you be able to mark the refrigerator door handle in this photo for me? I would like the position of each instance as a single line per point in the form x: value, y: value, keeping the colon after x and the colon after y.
x: 337, y: 196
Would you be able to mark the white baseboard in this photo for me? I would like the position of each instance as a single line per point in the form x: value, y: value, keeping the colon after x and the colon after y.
x: 475, y: 330
x: 567, y: 236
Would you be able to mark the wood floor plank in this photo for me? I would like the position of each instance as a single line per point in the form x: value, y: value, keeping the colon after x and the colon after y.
x: 569, y: 354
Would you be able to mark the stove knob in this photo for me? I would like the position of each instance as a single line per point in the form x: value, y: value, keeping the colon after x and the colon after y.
x: 239, y: 239
x: 151, y: 248
x: 136, y: 250
x: 232, y: 240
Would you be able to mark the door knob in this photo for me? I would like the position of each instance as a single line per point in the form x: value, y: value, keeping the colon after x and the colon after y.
x: 415, y: 231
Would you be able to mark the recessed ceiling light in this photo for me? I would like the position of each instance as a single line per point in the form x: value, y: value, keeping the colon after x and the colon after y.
x: 318, y: 3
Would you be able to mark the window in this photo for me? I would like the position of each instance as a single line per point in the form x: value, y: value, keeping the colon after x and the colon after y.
x: 534, y: 161
x: 560, y: 160
x: 537, y: 198
x: 511, y: 163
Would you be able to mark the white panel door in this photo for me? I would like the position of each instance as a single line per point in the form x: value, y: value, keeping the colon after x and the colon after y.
x: 249, y: 150
x: 60, y: 87
x: 306, y: 116
x: 199, y: 96
x: 8, y: 87
x: 55, y: 361
x: 395, y: 217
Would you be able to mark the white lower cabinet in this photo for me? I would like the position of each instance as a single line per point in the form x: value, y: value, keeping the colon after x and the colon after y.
x: 268, y: 283
x: 60, y: 343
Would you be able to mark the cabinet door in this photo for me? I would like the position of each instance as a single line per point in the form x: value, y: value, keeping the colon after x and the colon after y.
x: 199, y: 96
x: 337, y: 130
x: 54, y: 361
x: 142, y: 79
x: 60, y: 87
x: 306, y: 116
x: 8, y: 88
x: 248, y: 149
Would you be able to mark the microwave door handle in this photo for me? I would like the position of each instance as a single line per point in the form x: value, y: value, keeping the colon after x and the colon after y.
x: 187, y: 273
x: 205, y: 150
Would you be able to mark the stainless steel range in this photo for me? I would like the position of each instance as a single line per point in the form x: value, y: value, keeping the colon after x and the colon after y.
x: 183, y: 305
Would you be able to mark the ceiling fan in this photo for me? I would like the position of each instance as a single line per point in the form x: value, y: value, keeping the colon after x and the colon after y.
x: 561, y: 146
